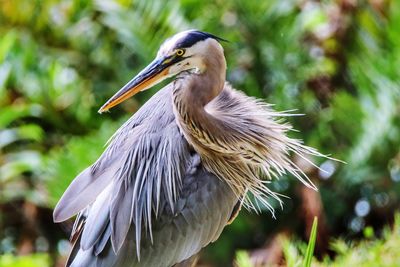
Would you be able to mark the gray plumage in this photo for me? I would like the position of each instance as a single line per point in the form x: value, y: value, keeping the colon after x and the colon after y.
x: 172, y: 176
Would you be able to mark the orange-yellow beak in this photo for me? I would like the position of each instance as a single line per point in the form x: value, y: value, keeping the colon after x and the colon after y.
x: 154, y: 73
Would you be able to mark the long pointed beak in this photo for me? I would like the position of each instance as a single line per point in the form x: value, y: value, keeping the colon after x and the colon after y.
x: 154, y: 73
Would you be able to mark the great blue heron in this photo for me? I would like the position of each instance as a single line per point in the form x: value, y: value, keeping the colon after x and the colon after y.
x: 176, y: 173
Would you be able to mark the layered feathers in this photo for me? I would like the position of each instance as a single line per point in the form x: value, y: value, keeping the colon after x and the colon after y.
x: 144, y: 162
x: 241, y: 140
x: 141, y: 176
x: 175, y: 174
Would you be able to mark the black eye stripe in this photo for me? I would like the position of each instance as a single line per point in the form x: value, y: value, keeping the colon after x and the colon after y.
x: 170, y: 60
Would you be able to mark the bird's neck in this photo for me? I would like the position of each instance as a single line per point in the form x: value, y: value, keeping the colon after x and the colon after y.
x: 192, y: 92
x: 198, y: 89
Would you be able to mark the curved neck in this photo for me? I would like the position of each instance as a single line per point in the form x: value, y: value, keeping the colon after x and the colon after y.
x: 192, y: 92
x: 196, y: 90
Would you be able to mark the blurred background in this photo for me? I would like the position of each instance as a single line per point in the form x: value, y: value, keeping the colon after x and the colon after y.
x: 337, y: 62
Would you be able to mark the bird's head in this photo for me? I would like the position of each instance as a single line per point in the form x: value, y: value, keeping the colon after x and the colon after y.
x: 183, y: 52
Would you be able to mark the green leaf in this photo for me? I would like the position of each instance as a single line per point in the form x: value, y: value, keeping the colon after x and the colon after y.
x: 311, y: 244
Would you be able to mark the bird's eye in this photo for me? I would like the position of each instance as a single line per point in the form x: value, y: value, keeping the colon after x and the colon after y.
x: 180, y: 52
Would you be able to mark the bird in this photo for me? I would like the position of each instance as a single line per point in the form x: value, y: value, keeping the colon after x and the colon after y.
x: 180, y: 169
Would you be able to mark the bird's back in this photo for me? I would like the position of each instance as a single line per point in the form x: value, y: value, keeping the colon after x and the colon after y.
x: 148, y: 197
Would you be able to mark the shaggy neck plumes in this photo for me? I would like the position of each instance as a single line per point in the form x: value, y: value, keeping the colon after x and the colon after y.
x: 238, y: 138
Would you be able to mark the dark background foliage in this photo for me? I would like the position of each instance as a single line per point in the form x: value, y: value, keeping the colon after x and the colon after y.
x: 337, y: 62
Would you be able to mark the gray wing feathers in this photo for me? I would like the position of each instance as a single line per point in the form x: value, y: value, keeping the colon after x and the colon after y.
x: 100, y: 245
x: 82, y: 192
x: 201, y: 213
x: 146, y: 193
x: 120, y: 214
x: 97, y: 220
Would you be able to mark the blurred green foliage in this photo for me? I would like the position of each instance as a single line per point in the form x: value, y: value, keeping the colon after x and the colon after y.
x: 335, y: 61
x: 35, y: 260
x: 373, y: 252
